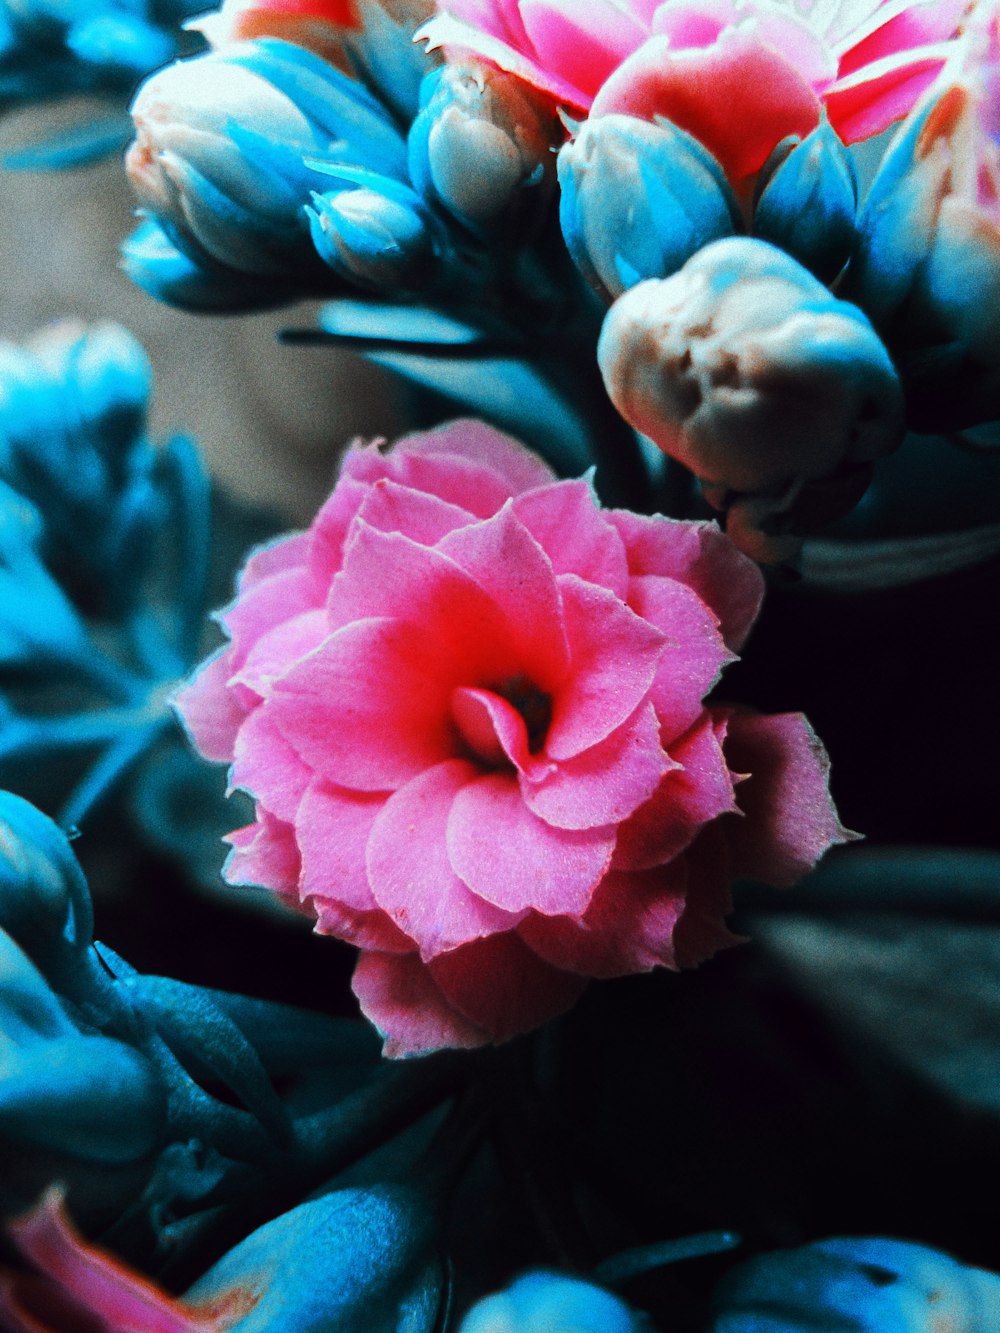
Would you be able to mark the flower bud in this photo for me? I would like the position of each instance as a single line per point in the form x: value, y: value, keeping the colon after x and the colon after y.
x: 63, y: 1091
x: 809, y: 203
x: 542, y: 1302
x: 379, y: 236
x: 858, y: 1285
x: 638, y: 200
x: 236, y: 195
x: 479, y: 138
x: 372, y: 41
x: 928, y: 267
x: 744, y: 368
x: 44, y: 901
x: 151, y: 260
x: 354, y: 1260
x: 37, y: 620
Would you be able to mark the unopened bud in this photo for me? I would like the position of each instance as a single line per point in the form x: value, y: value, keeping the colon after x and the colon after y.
x: 479, y: 138
x: 638, y: 200
x: 744, y: 368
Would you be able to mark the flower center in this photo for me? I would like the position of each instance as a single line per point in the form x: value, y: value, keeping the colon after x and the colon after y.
x: 533, y: 704
x: 490, y: 729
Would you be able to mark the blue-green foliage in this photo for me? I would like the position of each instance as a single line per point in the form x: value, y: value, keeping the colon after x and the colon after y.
x: 49, y: 49
x: 103, y: 561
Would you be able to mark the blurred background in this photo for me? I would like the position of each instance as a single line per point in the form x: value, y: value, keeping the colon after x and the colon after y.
x: 271, y: 420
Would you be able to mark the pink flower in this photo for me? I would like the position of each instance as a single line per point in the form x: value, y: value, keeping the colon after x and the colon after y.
x: 469, y: 705
x: 739, y: 75
x: 80, y: 1286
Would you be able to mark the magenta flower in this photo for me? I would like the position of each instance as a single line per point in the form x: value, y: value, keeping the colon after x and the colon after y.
x: 469, y: 706
x: 739, y: 75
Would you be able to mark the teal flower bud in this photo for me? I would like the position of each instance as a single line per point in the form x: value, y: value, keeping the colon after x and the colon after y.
x: 151, y: 260
x: 73, y: 409
x: 221, y: 146
x: 379, y: 236
x: 775, y: 394
x: 809, y: 203
x: 69, y: 1100
x: 928, y: 267
x: 44, y: 901
x: 37, y: 620
x: 355, y: 1260
x: 543, y: 1302
x: 858, y: 1285
x: 638, y: 200
x: 478, y: 140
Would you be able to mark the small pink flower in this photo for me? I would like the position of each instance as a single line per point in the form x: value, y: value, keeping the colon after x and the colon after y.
x: 739, y: 75
x: 468, y: 703
x: 80, y: 1286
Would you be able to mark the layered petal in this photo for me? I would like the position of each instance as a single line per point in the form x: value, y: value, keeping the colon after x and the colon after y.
x: 410, y: 868
x: 531, y: 864
x: 366, y: 708
x: 401, y: 998
x: 789, y: 816
x: 503, y: 986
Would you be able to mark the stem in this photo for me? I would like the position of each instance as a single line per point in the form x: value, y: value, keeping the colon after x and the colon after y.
x: 532, y: 1159
x: 112, y: 765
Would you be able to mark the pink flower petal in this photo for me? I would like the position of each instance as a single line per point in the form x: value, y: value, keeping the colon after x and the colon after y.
x: 387, y: 574
x: 691, y: 22
x: 703, y: 557
x: 424, y: 518
x: 502, y: 985
x: 449, y: 31
x: 399, y: 995
x: 455, y: 477
x: 266, y: 604
x: 275, y: 557
x: 628, y: 927
x: 277, y: 648
x: 605, y: 784
x: 365, y: 930
x: 702, y: 931
x: 102, y: 1291
x: 897, y: 27
x: 575, y: 534
x: 493, y: 729
x: 614, y: 655
x: 757, y: 96
x: 510, y: 566
x: 790, y: 817
x: 410, y: 872
x: 368, y: 709
x: 584, y: 39
x: 267, y: 767
x: 687, y: 798
x: 265, y: 854
x: 693, y: 660
x: 876, y: 96
x: 508, y: 856
x: 211, y: 713
x: 520, y: 468
x: 333, y: 829
x: 329, y: 528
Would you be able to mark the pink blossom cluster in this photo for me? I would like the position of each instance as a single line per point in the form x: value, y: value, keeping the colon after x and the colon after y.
x: 740, y: 75
x: 469, y: 705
